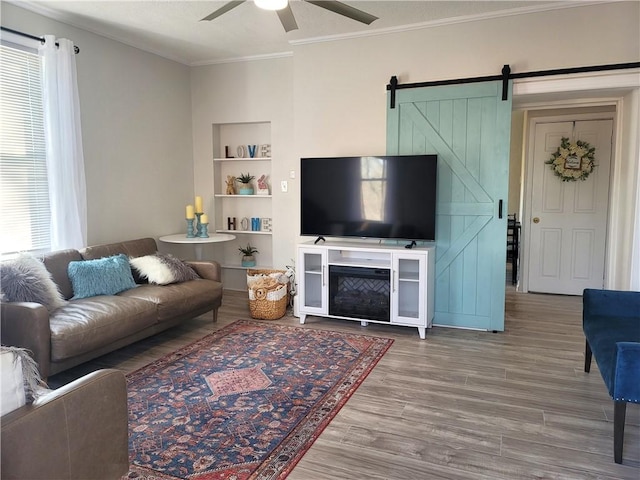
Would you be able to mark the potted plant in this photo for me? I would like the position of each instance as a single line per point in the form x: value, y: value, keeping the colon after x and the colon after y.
x: 248, y: 260
x: 245, y: 183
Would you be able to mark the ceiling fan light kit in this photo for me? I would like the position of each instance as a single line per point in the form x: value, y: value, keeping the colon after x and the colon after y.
x: 271, y: 4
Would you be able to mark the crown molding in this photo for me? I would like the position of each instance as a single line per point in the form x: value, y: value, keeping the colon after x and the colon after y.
x: 451, y: 21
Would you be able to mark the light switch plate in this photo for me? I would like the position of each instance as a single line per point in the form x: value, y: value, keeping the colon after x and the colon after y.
x: 284, y: 186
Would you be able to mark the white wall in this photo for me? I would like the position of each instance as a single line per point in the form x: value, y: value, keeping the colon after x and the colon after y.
x: 136, y: 129
x: 145, y: 162
x: 624, y: 271
x: 255, y: 91
x: 339, y: 87
x: 515, y: 163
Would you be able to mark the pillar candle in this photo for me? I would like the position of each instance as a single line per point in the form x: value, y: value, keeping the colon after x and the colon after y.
x: 190, y: 211
x: 198, y: 204
x: 204, y: 219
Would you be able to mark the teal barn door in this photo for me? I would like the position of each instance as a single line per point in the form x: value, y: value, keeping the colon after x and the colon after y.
x: 468, y: 127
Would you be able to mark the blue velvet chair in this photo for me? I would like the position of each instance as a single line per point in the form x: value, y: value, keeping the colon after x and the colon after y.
x: 611, y: 325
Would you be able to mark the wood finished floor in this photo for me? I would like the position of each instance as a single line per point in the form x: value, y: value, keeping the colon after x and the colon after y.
x: 461, y: 404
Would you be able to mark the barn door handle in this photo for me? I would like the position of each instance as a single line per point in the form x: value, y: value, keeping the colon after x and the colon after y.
x: 500, y: 208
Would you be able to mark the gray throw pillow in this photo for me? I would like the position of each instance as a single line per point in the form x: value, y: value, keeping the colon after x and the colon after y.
x: 26, y: 279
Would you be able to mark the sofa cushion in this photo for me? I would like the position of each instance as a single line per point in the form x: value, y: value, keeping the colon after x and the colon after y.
x: 163, y: 269
x: 103, y: 276
x: 131, y: 248
x: 179, y: 298
x: 58, y: 265
x: 26, y: 279
x: 86, y: 324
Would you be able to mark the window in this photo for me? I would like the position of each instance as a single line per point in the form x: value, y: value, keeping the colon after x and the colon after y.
x: 24, y: 192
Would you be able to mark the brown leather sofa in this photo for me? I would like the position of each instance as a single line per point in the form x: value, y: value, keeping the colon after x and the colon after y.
x: 78, y: 431
x: 87, y: 328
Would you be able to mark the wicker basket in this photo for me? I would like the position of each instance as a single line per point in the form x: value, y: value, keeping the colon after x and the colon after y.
x: 255, y: 274
x: 268, y: 304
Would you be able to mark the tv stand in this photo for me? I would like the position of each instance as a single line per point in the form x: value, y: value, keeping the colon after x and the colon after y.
x: 320, y: 238
x: 367, y: 282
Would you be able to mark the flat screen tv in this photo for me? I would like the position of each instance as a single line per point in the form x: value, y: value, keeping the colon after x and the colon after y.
x: 379, y: 197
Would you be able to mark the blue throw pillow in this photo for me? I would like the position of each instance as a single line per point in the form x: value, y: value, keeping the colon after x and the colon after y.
x: 103, y: 276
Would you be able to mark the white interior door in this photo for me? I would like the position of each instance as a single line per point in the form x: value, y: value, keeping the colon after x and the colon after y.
x: 569, y: 219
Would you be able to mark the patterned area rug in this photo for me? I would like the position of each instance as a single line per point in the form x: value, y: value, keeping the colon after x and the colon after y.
x: 245, y: 402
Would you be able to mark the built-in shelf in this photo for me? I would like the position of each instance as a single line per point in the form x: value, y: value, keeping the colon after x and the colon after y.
x: 245, y: 232
x: 227, y: 138
x: 243, y: 159
x: 222, y: 195
x: 240, y: 267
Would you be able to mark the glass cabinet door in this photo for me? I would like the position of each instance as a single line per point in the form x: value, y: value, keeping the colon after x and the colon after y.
x: 313, y: 290
x: 408, y: 306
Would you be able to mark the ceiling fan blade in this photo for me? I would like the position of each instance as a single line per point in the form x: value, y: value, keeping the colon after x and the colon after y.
x: 287, y: 19
x: 224, y: 9
x: 345, y: 10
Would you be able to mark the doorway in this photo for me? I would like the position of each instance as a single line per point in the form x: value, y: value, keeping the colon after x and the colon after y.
x: 619, y: 92
x: 565, y: 223
x: 568, y: 218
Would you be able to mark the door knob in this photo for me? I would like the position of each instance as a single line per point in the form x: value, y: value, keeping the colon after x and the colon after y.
x: 536, y: 220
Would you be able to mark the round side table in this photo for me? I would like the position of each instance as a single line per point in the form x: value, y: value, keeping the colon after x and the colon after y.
x: 197, y: 242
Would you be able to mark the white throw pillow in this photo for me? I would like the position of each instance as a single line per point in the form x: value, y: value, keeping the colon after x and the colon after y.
x: 163, y: 269
x: 153, y: 269
x: 12, y: 384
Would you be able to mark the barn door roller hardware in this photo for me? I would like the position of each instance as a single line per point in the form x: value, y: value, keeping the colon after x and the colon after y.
x: 505, y: 76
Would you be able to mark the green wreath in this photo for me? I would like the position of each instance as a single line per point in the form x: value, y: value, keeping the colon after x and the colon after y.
x: 572, y: 161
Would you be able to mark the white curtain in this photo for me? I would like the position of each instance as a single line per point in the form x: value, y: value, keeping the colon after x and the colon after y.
x: 63, y: 138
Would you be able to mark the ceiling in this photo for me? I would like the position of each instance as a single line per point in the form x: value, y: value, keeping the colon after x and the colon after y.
x: 172, y: 28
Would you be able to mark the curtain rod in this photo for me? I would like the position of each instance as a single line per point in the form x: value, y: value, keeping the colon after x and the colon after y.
x: 76, y: 49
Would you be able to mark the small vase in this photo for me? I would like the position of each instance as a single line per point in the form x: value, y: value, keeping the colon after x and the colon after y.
x: 245, y: 189
x: 248, y: 261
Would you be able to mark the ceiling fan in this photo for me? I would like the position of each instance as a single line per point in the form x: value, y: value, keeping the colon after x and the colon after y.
x: 283, y: 9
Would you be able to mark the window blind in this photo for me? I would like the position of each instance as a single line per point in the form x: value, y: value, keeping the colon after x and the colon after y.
x: 24, y: 192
